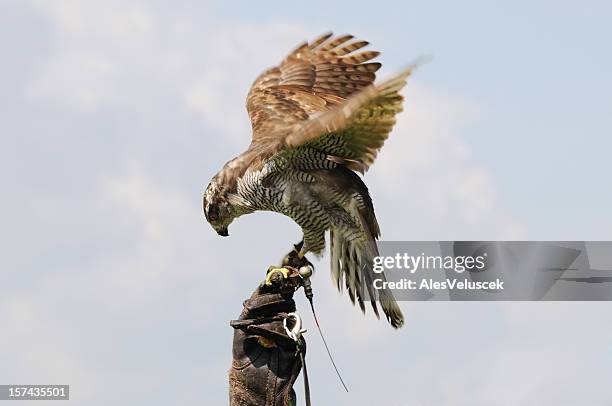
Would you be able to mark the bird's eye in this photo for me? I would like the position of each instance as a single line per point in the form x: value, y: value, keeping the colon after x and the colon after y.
x: 213, y: 212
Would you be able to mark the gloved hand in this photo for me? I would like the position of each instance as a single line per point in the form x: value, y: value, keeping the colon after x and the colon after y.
x: 265, y: 362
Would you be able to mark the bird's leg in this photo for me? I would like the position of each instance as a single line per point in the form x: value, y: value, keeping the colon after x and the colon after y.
x: 296, y: 257
x: 297, y: 247
x: 300, y: 249
x: 297, y: 260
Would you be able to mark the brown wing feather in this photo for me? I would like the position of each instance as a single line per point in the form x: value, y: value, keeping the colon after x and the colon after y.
x: 353, y: 132
x: 322, y: 95
x: 313, y: 78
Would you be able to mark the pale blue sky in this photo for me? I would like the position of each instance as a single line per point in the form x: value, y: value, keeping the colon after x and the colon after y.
x: 115, y: 115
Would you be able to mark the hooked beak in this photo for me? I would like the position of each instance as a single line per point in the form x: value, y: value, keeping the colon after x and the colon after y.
x: 223, y: 232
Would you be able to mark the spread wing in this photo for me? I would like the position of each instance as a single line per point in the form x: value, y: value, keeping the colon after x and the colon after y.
x: 313, y: 78
x: 322, y: 95
x: 354, y: 132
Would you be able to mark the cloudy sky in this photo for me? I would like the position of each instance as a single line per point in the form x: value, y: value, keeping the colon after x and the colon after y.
x: 116, y: 114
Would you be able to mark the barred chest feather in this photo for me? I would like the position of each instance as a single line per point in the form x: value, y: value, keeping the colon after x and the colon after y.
x: 286, y: 185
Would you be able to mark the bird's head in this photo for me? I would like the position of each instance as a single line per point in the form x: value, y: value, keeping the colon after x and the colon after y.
x: 217, y: 208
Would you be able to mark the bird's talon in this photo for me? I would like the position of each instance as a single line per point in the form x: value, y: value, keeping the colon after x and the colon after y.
x: 272, y: 270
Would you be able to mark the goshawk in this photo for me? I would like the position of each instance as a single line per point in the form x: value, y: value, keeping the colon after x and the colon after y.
x: 317, y: 120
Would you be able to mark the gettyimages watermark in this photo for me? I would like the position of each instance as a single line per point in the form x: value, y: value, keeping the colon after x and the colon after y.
x: 494, y: 270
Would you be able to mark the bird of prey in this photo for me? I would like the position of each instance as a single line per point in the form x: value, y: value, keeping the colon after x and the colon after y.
x: 317, y: 120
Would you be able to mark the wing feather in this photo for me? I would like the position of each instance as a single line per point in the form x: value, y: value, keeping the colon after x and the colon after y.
x: 314, y: 77
x: 352, y: 47
x: 322, y: 96
x: 356, y: 129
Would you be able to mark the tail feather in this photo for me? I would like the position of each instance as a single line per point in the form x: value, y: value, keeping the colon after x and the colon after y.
x: 352, y: 267
x: 391, y: 309
x: 353, y: 236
